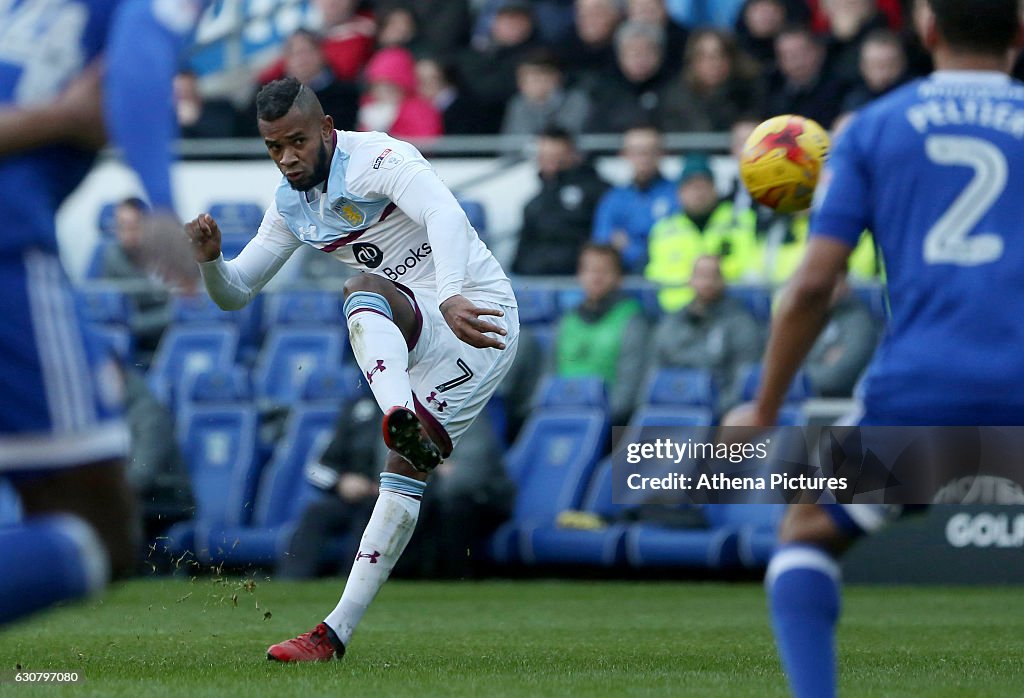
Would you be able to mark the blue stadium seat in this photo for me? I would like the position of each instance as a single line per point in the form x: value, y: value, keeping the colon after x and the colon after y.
x: 286, y: 358
x: 94, y: 268
x: 218, y: 384
x: 476, y: 213
x: 118, y: 339
x: 106, y: 221
x: 551, y: 463
x: 189, y: 350
x: 282, y: 494
x: 653, y: 546
x: 336, y: 384
x: 232, y: 244
x: 10, y: 504
x: 799, y: 390
x: 237, y: 217
x: 218, y: 444
x: 537, y: 305
x: 546, y: 337
x: 310, y: 308
x: 200, y: 309
x: 681, y: 387
x: 555, y: 391
x: 104, y: 304
x: 757, y: 299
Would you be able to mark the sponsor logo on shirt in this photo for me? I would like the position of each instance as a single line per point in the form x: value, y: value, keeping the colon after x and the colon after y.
x: 416, y: 256
x: 387, y: 160
x: 368, y: 254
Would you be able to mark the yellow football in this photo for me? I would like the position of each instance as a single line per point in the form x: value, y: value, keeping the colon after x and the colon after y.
x: 781, y: 162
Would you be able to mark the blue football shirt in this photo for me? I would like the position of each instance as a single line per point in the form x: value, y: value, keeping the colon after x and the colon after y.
x: 936, y: 171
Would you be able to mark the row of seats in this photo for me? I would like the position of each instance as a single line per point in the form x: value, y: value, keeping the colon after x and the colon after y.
x: 247, y: 511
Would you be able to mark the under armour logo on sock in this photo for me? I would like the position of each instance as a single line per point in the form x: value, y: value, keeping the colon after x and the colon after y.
x: 440, y: 404
x: 379, y: 367
x: 372, y: 557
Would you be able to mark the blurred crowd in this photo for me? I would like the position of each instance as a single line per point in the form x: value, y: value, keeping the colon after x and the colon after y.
x: 449, y: 67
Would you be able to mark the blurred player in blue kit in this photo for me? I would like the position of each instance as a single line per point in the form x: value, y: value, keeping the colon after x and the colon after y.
x: 62, y: 437
x: 935, y: 171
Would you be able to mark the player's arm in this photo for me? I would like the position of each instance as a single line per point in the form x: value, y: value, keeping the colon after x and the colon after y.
x: 143, y: 49
x: 429, y: 202
x: 232, y: 284
x: 801, y: 314
x: 75, y: 117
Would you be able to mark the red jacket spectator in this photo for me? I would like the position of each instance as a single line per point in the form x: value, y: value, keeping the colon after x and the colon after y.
x: 890, y: 8
x: 347, y: 46
x: 391, y: 102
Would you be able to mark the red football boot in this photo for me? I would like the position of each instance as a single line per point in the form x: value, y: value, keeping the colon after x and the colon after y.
x: 403, y: 435
x: 318, y: 645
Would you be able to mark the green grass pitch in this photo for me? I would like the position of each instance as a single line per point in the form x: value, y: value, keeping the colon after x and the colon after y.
x: 207, y: 637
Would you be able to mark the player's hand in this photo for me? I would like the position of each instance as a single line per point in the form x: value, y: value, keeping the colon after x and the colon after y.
x: 80, y: 107
x: 744, y: 423
x: 464, y: 319
x: 352, y: 487
x: 204, y: 235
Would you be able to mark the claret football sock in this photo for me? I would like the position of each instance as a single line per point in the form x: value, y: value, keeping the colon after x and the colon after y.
x: 386, y: 535
x: 49, y: 559
x: 803, y: 594
x: 380, y: 348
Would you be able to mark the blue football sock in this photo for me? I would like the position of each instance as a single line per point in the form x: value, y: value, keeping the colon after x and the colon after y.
x: 46, y: 560
x: 803, y: 593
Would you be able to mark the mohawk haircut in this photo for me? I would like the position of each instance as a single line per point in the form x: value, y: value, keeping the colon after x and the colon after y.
x: 276, y: 98
x: 980, y: 26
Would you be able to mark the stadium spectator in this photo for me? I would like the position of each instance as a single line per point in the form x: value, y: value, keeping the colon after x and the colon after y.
x: 629, y: 93
x: 347, y: 41
x: 761, y: 21
x: 305, y: 61
x: 717, y: 85
x: 558, y: 220
x: 892, y: 10
x: 591, y: 47
x: 844, y: 348
x: 701, y: 13
x: 391, y: 103
x: 654, y: 12
x: 713, y: 332
x: 626, y: 213
x: 440, y: 84
x: 199, y: 117
x: 442, y: 26
x: 883, y: 66
x: 606, y: 335
x: 801, y: 84
x: 705, y: 225
x: 554, y: 20
x: 124, y: 263
x: 470, y: 495
x: 850, y: 23
x: 346, y: 473
x: 398, y: 27
x: 542, y: 100
x: 489, y: 69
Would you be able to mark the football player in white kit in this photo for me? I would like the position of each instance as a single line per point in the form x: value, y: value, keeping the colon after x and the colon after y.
x: 432, y: 322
